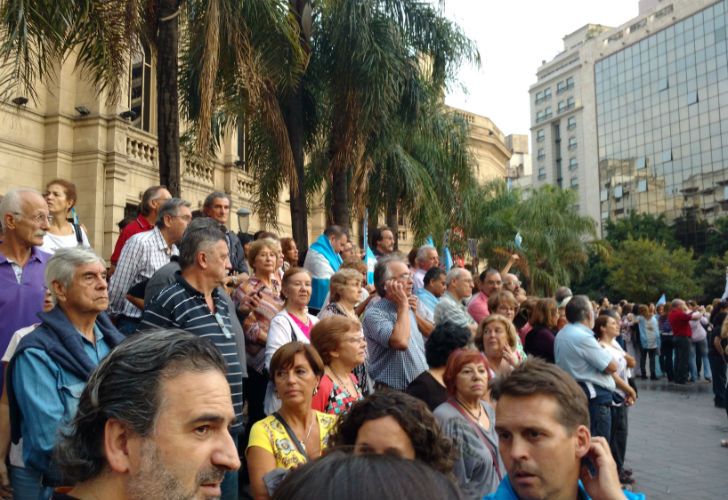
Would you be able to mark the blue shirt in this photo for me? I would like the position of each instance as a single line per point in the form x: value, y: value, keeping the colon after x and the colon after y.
x: 48, y: 397
x: 505, y: 491
x: 578, y: 353
x: 387, y: 365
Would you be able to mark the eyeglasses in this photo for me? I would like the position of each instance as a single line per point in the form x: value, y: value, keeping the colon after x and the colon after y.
x: 186, y: 218
x: 404, y: 277
x: 223, y: 327
x: 38, y: 219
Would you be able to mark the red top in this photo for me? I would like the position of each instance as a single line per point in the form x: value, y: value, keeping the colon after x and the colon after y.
x: 680, y: 323
x: 139, y: 225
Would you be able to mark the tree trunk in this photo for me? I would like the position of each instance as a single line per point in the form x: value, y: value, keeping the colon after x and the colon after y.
x: 340, y: 198
x: 167, y: 96
x: 391, y: 219
x: 293, y: 115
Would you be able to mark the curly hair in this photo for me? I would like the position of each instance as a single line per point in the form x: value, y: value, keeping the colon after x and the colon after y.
x: 444, y: 339
x: 430, y: 445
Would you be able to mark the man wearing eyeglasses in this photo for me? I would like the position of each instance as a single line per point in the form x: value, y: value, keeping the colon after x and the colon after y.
x: 396, y: 345
x: 195, y: 302
x: 24, y: 215
x: 141, y: 257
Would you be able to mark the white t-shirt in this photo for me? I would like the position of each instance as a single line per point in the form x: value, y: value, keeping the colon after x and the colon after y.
x: 16, y: 450
x: 617, y: 353
x: 52, y: 242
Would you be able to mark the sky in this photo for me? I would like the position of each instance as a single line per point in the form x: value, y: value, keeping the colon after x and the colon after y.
x: 513, y: 37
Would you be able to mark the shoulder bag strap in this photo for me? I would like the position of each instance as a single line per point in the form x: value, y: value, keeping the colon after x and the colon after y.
x: 479, y: 432
x: 299, y: 446
x: 79, y: 235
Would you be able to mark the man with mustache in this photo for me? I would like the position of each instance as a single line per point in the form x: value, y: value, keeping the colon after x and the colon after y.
x: 25, y: 218
x: 52, y: 363
x: 195, y: 302
x: 542, y: 421
x: 152, y: 423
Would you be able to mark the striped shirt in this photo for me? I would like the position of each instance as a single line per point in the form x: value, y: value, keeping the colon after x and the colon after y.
x: 140, y: 258
x: 387, y: 365
x: 181, y: 306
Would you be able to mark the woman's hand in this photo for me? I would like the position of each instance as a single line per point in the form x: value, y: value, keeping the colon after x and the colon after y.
x: 510, y: 356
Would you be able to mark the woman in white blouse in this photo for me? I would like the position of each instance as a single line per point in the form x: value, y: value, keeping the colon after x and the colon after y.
x: 61, y: 197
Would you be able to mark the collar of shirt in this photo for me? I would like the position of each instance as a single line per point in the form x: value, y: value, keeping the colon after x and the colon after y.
x: 194, y: 291
x: 143, y: 223
x: 161, y: 243
x: 36, y: 254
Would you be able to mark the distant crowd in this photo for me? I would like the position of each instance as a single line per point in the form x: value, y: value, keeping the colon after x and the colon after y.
x: 201, y: 363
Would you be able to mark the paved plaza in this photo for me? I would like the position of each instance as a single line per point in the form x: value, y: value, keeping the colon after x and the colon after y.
x: 673, y: 445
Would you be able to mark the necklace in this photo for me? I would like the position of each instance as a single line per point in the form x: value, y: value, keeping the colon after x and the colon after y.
x: 472, y: 415
x: 343, y: 385
x: 308, y: 433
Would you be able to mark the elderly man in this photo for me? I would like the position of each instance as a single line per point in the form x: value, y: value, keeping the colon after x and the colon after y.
x: 489, y: 282
x: 195, y: 303
x: 152, y: 423
x: 542, y: 421
x: 382, y: 241
x: 142, y: 256
x: 450, y: 308
x: 578, y: 353
x: 396, y: 346
x: 217, y: 206
x: 52, y: 364
x: 426, y: 259
x: 152, y: 200
x: 323, y: 259
x: 25, y: 217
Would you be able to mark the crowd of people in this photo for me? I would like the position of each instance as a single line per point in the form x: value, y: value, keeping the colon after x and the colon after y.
x: 200, y: 364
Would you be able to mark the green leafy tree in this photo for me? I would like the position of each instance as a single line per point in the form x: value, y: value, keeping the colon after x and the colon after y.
x: 641, y: 270
x: 553, y: 250
x: 640, y: 225
x: 711, y: 274
x: 593, y: 282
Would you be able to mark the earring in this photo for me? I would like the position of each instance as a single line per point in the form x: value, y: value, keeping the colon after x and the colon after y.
x: 315, y: 391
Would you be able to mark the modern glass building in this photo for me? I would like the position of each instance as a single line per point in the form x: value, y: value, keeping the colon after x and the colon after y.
x: 662, y: 120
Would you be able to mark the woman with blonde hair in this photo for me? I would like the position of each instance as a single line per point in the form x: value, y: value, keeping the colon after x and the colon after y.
x: 496, y: 337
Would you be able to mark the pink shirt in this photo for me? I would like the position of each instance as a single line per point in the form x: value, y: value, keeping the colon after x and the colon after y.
x: 478, y: 307
x: 305, y: 327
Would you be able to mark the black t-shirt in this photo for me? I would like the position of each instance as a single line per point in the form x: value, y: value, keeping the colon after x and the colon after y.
x: 717, y: 325
x: 429, y: 390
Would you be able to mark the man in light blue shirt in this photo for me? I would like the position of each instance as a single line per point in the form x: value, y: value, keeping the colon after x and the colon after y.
x: 52, y: 364
x: 578, y: 353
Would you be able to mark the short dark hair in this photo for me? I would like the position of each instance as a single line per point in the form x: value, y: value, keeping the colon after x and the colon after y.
x: 535, y: 377
x: 283, y: 358
x: 200, y: 235
x: 432, y: 274
x: 149, y: 195
x: 378, y: 234
x: 578, y: 309
x: 335, y: 231
x: 170, y: 207
x: 487, y: 273
x: 363, y: 477
x: 126, y: 387
x: 444, y: 339
x: 412, y: 414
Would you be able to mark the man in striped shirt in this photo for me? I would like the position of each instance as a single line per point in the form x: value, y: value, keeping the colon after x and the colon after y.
x: 141, y: 257
x: 195, y: 303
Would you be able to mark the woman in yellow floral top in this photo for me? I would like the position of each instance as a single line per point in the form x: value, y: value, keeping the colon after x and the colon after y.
x: 296, y: 433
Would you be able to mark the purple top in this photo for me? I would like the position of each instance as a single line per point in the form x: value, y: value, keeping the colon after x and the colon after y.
x: 20, y: 302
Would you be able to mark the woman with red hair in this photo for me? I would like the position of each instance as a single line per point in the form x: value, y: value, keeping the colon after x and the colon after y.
x: 470, y: 422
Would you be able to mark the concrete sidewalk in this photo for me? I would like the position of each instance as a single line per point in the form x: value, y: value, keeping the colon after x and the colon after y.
x: 674, y: 442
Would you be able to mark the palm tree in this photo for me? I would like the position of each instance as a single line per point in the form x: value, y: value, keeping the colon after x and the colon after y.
x: 554, y: 248
x: 41, y: 33
x: 373, y: 54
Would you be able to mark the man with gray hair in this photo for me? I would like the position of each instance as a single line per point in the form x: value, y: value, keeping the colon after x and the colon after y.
x: 152, y: 200
x: 25, y: 220
x: 143, y: 254
x: 578, y: 353
x: 152, y: 423
x: 53, y: 362
x: 196, y: 303
x: 396, y: 346
x: 425, y: 260
x: 451, y: 307
x: 217, y: 207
